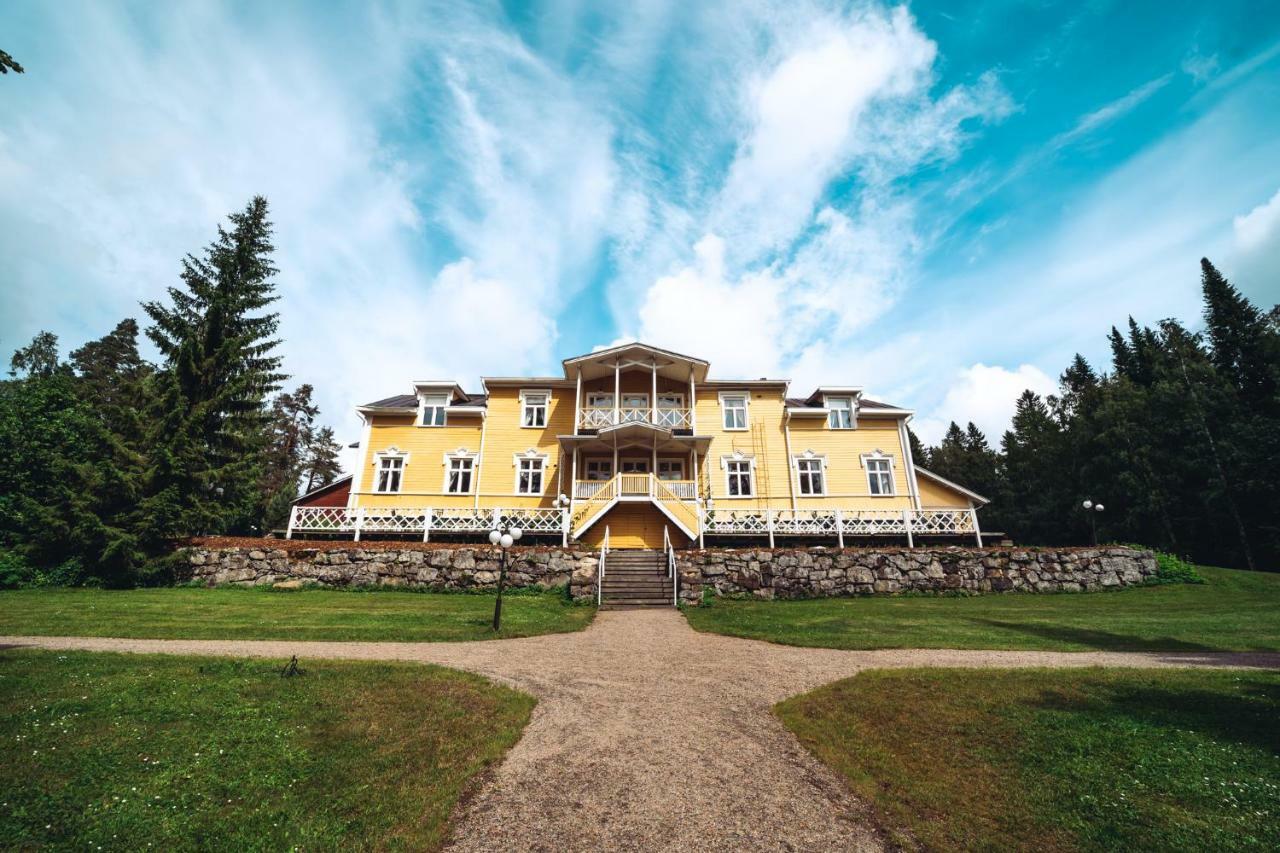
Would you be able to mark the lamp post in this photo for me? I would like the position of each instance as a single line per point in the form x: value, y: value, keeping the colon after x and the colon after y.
x: 502, y: 537
x: 1093, y: 509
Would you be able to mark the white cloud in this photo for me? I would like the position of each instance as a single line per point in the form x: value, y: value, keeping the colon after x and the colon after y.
x: 1108, y: 113
x: 986, y: 395
x: 1257, y: 243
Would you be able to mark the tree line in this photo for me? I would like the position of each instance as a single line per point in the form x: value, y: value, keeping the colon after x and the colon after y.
x: 1179, y: 441
x: 106, y: 458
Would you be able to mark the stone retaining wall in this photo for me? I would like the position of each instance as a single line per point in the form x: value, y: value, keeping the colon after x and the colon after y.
x: 764, y: 573
x: 819, y: 572
x: 441, y: 568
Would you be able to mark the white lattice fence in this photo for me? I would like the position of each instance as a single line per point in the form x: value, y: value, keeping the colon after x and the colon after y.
x: 942, y: 521
x: 321, y: 519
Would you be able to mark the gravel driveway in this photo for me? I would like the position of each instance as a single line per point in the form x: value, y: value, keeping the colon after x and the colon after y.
x: 650, y: 735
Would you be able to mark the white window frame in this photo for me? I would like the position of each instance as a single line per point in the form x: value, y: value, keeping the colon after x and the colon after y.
x: 526, y: 405
x: 530, y: 457
x: 810, y: 458
x: 604, y: 468
x: 878, y: 457
x: 599, y: 399
x: 440, y: 409
x: 831, y: 414
x: 474, y: 468
x: 746, y: 410
x: 670, y: 462
x: 634, y: 460
x: 726, y: 462
x: 391, y: 454
x: 637, y: 411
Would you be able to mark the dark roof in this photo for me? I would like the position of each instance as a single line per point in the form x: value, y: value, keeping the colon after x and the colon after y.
x: 410, y: 401
x: 815, y: 403
x: 399, y: 401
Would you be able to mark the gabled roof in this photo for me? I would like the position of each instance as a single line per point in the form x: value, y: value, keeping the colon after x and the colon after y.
x: 938, y: 478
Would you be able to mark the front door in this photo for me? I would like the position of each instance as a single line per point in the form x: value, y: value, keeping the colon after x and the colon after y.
x: 634, y: 466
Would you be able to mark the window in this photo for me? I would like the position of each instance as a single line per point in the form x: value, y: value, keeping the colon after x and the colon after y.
x: 535, y: 408
x: 433, y: 406
x: 671, y: 412
x: 529, y: 475
x: 879, y: 475
x: 670, y: 469
x: 390, y: 472
x: 841, y: 415
x: 458, y: 475
x: 735, y: 411
x: 599, y: 470
x: 634, y: 466
x: 739, y: 474
x: 635, y: 408
x: 809, y: 472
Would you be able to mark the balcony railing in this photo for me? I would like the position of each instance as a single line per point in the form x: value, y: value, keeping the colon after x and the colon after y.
x: 599, y: 417
x: 633, y: 485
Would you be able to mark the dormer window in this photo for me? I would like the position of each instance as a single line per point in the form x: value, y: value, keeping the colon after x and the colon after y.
x: 433, y: 409
x: 534, y: 408
x: 840, y: 415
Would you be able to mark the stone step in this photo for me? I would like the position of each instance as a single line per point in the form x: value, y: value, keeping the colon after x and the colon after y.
x: 638, y: 602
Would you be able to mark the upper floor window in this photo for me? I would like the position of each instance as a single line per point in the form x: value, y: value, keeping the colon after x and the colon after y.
x: 433, y: 406
x: 529, y: 475
x: 809, y: 473
x: 879, y: 474
x: 535, y: 408
x: 841, y: 415
x: 734, y: 407
x: 671, y: 411
x: 390, y: 474
x: 738, y: 472
x: 459, y: 473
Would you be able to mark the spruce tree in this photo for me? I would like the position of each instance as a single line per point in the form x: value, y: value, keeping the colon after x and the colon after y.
x: 322, y: 465
x: 217, y: 340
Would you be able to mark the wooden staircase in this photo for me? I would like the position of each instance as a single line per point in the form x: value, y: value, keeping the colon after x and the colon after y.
x: 635, y: 578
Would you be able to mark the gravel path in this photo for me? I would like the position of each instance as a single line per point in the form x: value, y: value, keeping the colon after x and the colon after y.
x: 648, y: 734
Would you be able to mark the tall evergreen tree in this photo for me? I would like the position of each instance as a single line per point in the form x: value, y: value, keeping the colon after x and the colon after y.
x: 292, y: 433
x: 321, y: 466
x: 218, y: 344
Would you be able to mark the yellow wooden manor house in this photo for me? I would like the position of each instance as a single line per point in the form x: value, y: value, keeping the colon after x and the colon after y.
x: 638, y: 447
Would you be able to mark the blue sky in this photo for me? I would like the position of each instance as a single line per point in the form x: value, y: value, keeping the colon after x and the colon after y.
x: 940, y: 202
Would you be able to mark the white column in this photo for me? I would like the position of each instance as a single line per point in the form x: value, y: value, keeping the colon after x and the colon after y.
x: 293, y: 518
x: 617, y: 401
x: 977, y: 533
x: 768, y: 520
x: 693, y: 402
x: 840, y: 528
x: 426, y: 525
x: 577, y: 404
x: 653, y: 398
x: 906, y: 521
x: 359, y: 522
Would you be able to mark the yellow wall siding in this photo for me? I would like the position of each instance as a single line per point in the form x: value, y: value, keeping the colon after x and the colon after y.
x: 934, y: 495
x: 764, y: 441
x: 505, y: 438
x: 846, y: 478
x: 423, y: 481
x: 632, y: 525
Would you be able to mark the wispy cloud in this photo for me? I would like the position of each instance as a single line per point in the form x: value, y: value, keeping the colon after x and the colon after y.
x: 1108, y: 113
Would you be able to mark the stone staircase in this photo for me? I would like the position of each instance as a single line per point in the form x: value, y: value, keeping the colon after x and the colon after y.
x: 635, y: 579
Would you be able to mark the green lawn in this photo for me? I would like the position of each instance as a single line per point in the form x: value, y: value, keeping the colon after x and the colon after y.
x: 1234, y: 611
x: 1056, y: 760
x: 264, y: 614
x: 105, y: 751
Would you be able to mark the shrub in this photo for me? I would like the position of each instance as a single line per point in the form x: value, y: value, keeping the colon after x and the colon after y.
x: 1174, y: 569
x: 14, y: 571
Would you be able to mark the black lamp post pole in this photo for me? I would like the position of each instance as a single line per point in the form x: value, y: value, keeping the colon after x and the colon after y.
x: 502, y: 577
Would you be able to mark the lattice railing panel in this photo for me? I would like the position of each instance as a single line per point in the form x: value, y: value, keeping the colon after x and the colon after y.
x: 942, y: 521
x: 804, y: 523
x: 325, y: 519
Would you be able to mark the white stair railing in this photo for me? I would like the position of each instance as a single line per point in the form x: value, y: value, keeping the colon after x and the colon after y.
x: 604, y: 552
x: 671, y: 566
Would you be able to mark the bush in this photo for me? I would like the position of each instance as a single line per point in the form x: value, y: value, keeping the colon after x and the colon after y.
x: 1174, y: 569
x: 14, y: 571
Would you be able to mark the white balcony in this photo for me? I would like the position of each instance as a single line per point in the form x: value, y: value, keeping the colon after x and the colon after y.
x: 635, y: 485
x: 603, y: 417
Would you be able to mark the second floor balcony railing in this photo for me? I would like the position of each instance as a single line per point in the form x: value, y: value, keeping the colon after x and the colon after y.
x: 599, y: 417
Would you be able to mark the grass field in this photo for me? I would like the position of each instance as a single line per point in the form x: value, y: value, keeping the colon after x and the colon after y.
x: 261, y: 614
x: 1034, y: 759
x: 104, y: 751
x: 1233, y: 611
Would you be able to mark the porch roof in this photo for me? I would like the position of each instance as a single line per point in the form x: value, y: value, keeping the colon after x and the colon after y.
x: 647, y: 438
